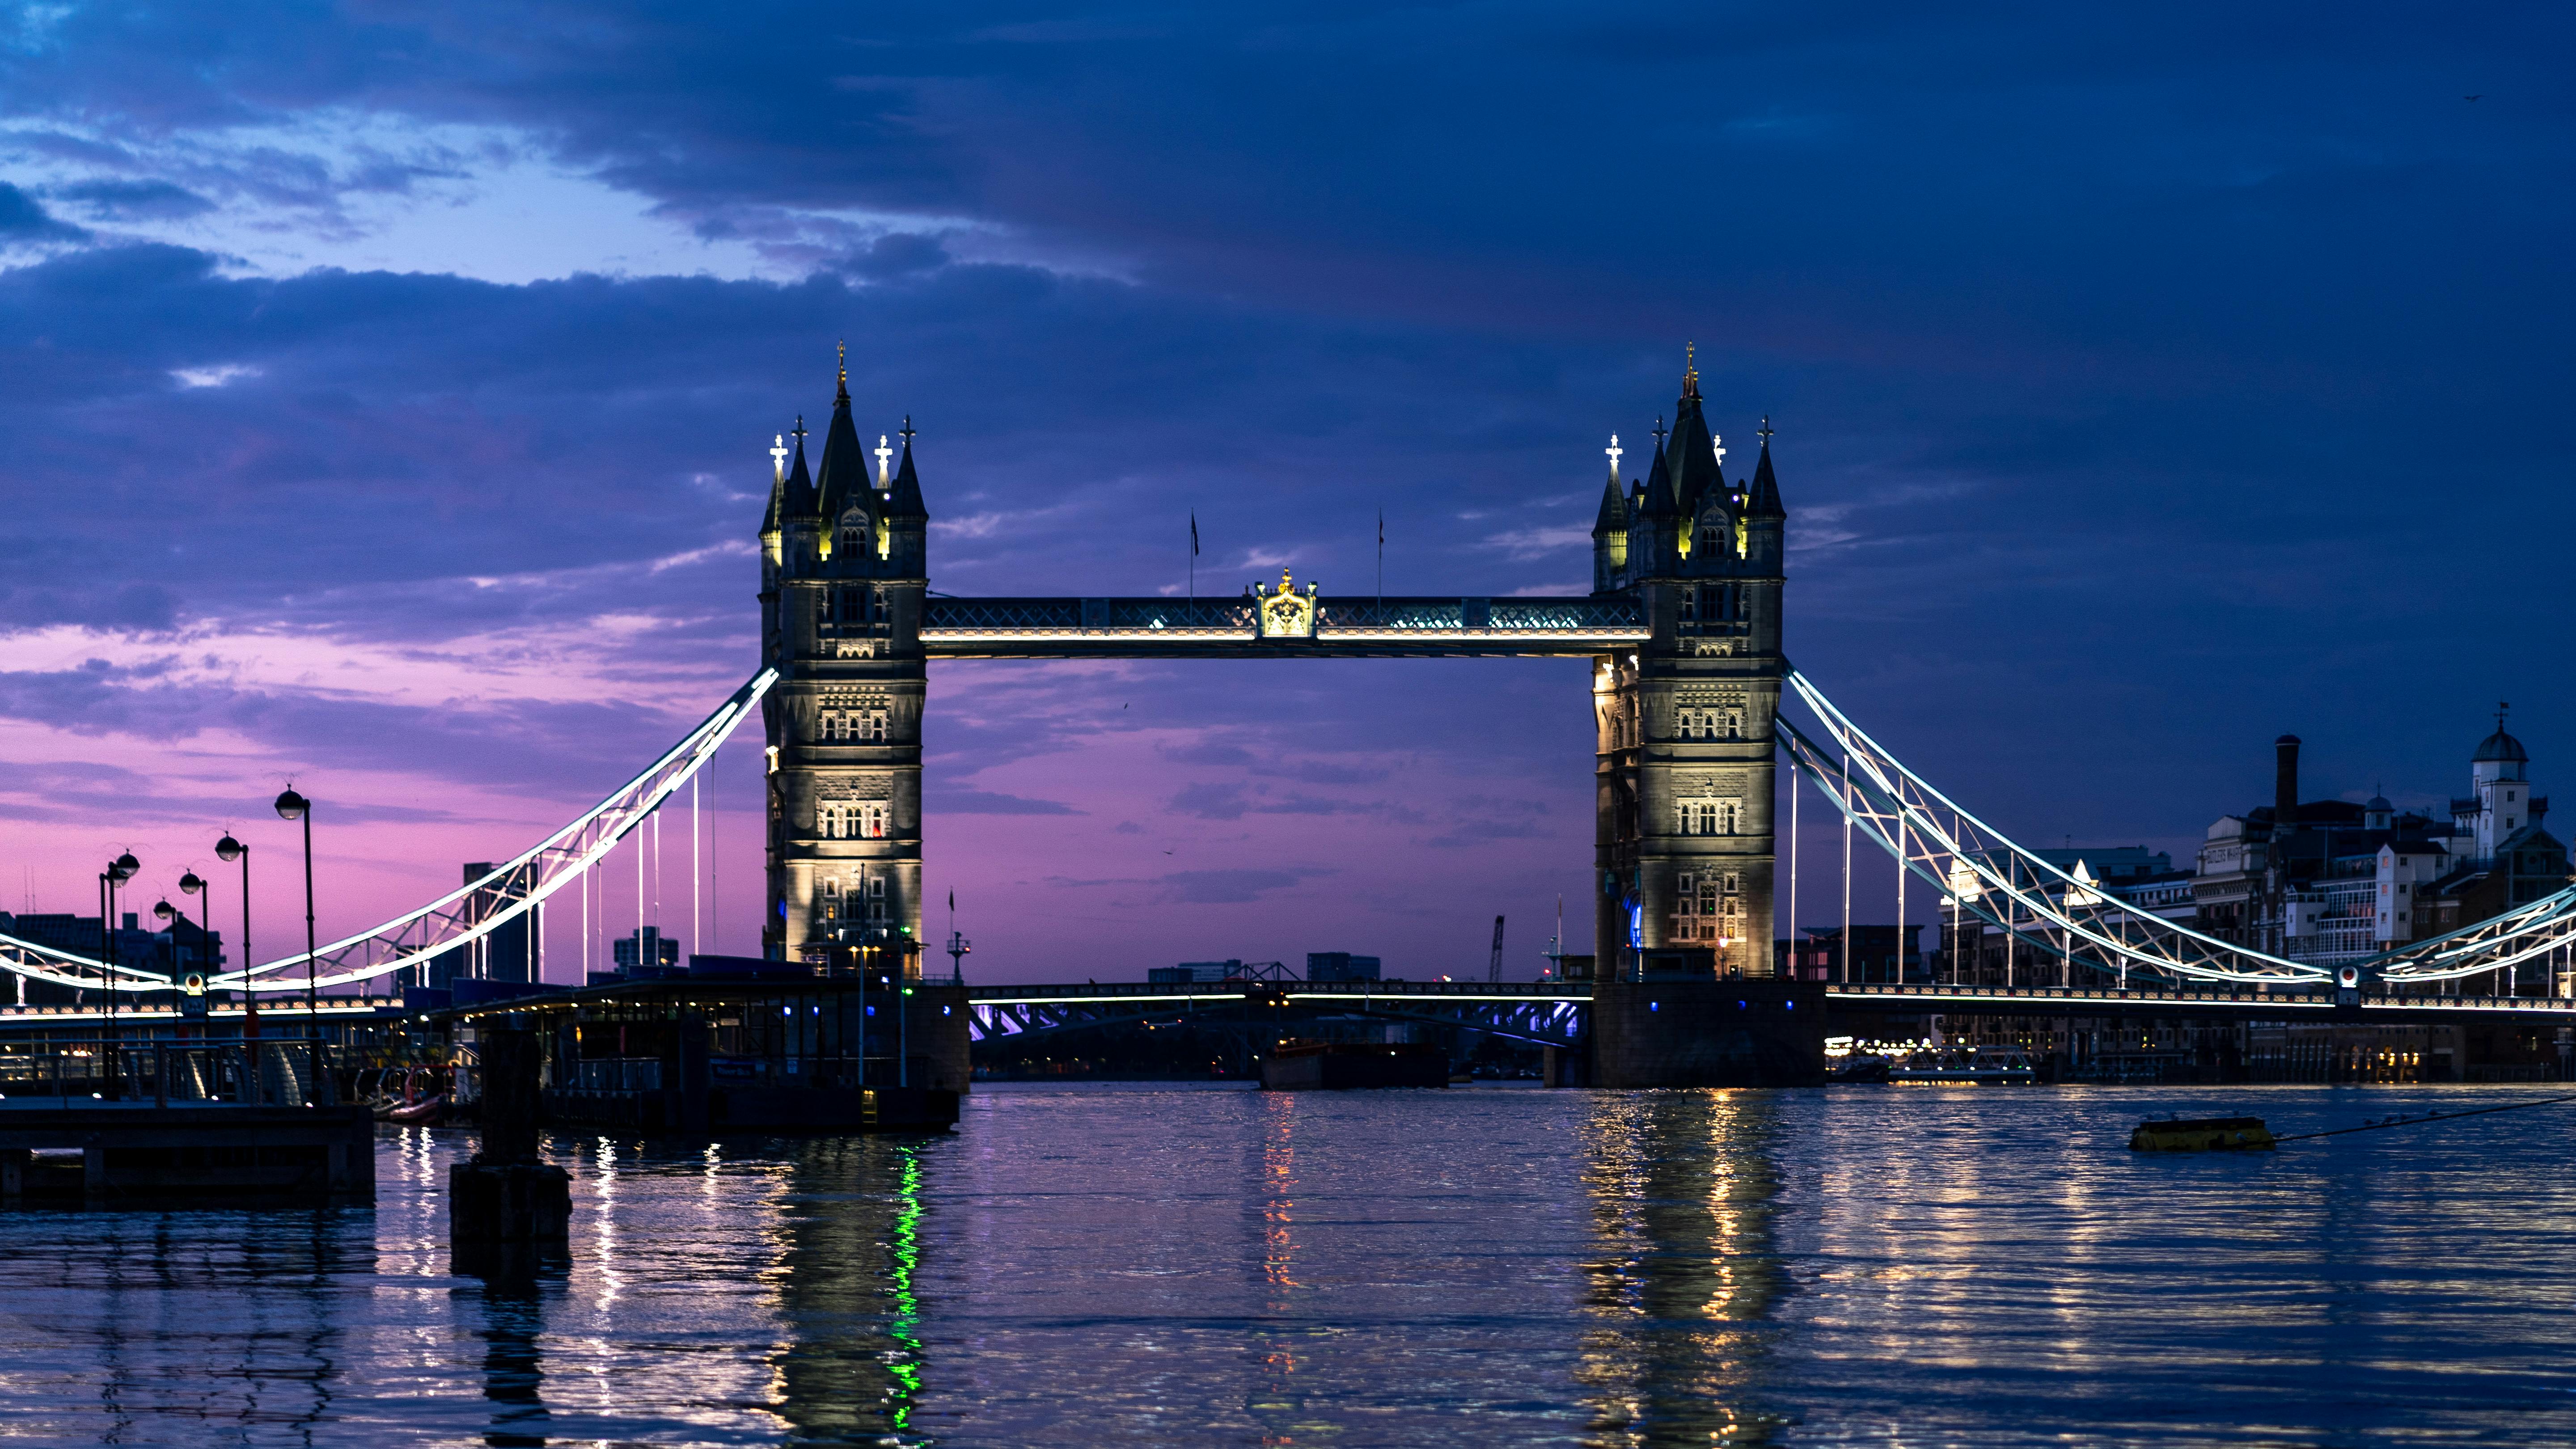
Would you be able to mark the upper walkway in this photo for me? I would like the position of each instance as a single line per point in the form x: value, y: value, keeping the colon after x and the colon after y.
x: 1235, y: 628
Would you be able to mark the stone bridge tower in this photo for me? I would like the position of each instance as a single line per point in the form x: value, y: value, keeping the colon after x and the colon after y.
x: 1683, y: 841
x: 843, y: 575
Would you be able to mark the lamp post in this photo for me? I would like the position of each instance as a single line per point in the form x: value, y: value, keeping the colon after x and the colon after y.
x: 118, y: 872
x: 291, y: 806
x: 193, y: 884
x: 229, y: 849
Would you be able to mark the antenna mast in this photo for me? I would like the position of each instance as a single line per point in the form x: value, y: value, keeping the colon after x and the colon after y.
x: 1494, y: 971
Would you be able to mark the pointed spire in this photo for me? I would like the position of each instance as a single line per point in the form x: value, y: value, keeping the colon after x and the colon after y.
x: 1658, y: 502
x: 1765, y: 499
x: 777, y: 483
x: 842, y: 477
x: 798, y: 498
x: 906, y: 503
x: 1690, y: 370
x: 1613, y: 517
x: 1694, y: 459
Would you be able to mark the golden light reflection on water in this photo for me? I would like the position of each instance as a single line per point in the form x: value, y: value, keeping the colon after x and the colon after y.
x: 1277, y: 1403
x: 1683, y: 1269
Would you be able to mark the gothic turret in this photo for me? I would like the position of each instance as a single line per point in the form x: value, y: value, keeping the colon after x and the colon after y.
x: 1765, y: 522
x: 1765, y: 502
x: 797, y: 493
x: 1610, y: 529
x: 1654, y: 525
x: 845, y: 496
x: 907, y: 517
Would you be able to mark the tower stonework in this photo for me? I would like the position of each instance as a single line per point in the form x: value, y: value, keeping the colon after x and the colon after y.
x: 843, y: 576
x: 1683, y: 843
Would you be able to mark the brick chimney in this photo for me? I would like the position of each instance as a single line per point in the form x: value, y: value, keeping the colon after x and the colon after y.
x: 2285, y: 780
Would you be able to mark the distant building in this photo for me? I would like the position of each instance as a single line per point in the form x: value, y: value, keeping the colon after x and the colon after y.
x: 1189, y: 971
x: 1340, y: 966
x: 2110, y: 864
x: 2166, y: 894
x: 507, y: 952
x: 2328, y: 882
x: 647, y: 944
x: 1877, y: 953
x: 185, y: 946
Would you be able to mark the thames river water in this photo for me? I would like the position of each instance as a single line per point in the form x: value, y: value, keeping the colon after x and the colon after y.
x: 1492, y: 1265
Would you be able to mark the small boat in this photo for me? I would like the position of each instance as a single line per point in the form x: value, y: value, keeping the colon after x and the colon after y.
x: 2202, y: 1134
x: 1972, y: 1066
x: 1858, y: 1069
x: 423, y: 1113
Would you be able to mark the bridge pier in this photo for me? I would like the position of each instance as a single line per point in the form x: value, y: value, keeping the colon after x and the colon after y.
x: 1680, y: 1032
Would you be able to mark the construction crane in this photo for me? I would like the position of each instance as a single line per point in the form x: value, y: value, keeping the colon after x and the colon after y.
x: 1494, y: 972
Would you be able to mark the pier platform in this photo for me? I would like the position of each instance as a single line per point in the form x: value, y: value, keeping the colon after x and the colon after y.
x: 100, y: 1152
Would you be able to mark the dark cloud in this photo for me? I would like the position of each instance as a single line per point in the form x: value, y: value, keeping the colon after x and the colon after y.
x: 985, y: 802
x: 1225, y: 887
x: 23, y: 220
x: 134, y: 200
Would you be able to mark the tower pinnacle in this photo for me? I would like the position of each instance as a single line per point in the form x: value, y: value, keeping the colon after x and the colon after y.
x: 1614, y: 450
x: 778, y: 456
x: 843, y: 365
x: 885, y: 463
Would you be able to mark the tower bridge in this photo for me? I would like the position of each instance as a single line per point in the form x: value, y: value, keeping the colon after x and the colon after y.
x: 1686, y: 680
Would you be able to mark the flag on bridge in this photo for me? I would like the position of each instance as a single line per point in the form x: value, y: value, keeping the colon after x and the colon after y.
x: 1194, y: 533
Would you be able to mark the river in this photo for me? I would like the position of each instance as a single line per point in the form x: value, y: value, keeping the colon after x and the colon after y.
x: 1107, y: 1265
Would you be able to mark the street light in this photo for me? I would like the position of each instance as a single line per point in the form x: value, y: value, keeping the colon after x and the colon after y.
x: 229, y: 850
x: 118, y: 872
x: 291, y: 806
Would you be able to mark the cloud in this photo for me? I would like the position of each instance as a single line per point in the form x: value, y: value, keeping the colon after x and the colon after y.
x: 22, y: 220
x: 134, y: 200
x: 1209, y: 800
x: 215, y: 376
x: 1228, y: 887
x: 985, y: 802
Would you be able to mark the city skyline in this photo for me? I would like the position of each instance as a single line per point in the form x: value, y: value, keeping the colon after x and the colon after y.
x: 2200, y: 409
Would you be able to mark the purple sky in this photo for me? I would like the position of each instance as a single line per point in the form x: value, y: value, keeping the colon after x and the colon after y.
x: 386, y: 391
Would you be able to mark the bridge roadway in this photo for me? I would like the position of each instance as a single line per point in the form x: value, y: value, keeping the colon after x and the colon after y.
x: 1551, y: 1013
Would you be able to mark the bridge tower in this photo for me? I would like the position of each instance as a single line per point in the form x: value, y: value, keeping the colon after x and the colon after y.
x: 1683, y: 839
x: 843, y: 574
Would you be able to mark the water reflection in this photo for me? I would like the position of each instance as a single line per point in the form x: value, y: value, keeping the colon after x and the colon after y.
x: 850, y: 1292
x: 514, y: 1280
x: 1684, y: 1270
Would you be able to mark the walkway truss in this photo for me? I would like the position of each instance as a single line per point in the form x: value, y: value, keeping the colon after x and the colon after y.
x: 478, y: 909
x: 1978, y: 871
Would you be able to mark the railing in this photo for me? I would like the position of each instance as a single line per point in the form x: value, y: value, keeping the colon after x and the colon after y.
x: 273, y: 1073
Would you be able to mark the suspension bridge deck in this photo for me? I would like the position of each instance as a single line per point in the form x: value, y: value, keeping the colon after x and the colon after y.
x: 1234, y: 628
x: 2236, y: 1003
x: 1551, y: 1012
